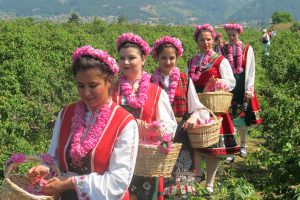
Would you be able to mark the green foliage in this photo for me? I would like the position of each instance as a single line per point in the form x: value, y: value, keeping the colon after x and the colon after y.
x: 281, y: 17
x: 237, y: 189
x: 295, y: 27
x: 36, y: 82
x: 281, y: 107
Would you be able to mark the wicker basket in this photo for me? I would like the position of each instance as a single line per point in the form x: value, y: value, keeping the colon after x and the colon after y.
x: 151, y: 162
x: 218, y: 102
x: 203, y: 136
x: 14, y: 184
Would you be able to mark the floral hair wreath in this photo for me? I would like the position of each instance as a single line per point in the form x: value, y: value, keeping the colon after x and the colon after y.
x: 233, y: 26
x: 98, y: 54
x: 167, y: 40
x: 133, y: 38
x: 204, y: 27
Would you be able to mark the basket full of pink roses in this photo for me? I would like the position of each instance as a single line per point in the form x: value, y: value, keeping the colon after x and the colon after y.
x: 216, y: 97
x: 18, y: 186
x: 156, y: 157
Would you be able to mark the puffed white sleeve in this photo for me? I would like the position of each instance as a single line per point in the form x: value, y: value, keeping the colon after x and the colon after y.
x: 250, y: 72
x: 165, y: 114
x: 195, y: 107
x: 227, y: 74
x: 113, y: 184
x: 193, y: 101
x: 55, y: 137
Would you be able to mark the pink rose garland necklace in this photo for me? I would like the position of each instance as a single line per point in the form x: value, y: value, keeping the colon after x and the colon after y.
x: 85, y: 137
x: 239, y: 52
x: 195, y: 64
x: 135, y: 100
x: 174, y: 78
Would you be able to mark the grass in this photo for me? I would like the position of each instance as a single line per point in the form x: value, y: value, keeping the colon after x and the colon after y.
x: 242, y: 179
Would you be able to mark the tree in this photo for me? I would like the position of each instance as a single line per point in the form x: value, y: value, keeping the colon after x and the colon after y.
x: 122, y: 19
x: 295, y: 27
x: 281, y: 17
x: 74, y: 18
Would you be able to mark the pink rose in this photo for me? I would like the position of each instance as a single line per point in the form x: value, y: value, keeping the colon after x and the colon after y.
x: 47, y: 159
x: 167, y: 137
x: 17, y: 158
x: 220, y: 85
x: 155, y: 125
x: 166, y: 144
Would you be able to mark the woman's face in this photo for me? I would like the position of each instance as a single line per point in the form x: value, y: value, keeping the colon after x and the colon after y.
x: 92, y: 88
x: 205, y: 41
x: 131, y: 63
x: 233, y: 36
x: 167, y: 60
x: 220, y: 41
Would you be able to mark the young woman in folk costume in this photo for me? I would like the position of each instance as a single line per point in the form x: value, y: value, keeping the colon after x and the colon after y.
x: 146, y: 101
x: 183, y: 98
x: 245, y: 107
x: 95, y: 141
x: 207, y: 68
x: 219, y: 44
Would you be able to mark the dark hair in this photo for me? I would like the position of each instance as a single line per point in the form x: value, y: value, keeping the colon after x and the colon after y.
x: 88, y: 62
x: 130, y: 44
x: 219, y: 35
x: 163, y: 46
x: 203, y: 30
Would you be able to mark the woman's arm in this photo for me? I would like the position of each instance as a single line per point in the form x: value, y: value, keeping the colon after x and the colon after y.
x: 165, y: 114
x: 194, y: 105
x: 250, y: 72
x: 195, y: 108
x: 227, y: 74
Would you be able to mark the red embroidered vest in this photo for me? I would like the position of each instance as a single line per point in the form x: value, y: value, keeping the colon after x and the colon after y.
x: 148, y: 112
x: 100, y: 155
x: 213, y: 70
x: 180, y: 103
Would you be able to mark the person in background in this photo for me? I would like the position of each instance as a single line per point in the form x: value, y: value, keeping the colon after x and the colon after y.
x: 94, y: 140
x: 245, y: 108
x: 206, y: 68
x: 273, y: 33
x: 219, y: 43
x: 184, y: 101
x: 266, y: 42
x: 146, y: 101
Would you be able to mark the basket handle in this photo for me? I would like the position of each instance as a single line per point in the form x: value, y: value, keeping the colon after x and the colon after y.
x: 213, y: 115
x: 28, y: 159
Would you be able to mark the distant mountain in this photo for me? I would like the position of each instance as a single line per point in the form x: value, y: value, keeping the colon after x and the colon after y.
x: 171, y: 11
x: 259, y: 10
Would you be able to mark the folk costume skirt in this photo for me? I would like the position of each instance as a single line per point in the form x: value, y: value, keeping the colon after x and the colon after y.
x: 243, y: 113
x: 182, y: 178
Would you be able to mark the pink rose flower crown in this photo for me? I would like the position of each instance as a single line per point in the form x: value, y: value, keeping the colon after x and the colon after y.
x: 133, y: 38
x: 167, y: 40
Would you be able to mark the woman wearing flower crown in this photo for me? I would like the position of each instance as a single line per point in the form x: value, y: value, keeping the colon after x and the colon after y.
x: 146, y: 101
x: 245, y: 108
x: 183, y: 98
x: 94, y: 141
x: 208, y: 68
x: 219, y: 44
